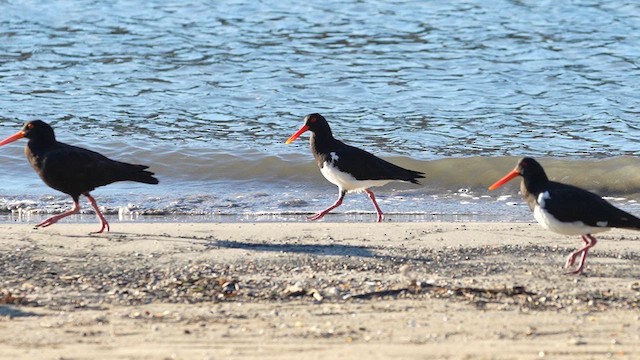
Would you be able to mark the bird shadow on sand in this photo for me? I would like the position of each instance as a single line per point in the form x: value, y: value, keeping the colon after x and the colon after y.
x: 10, y: 311
x: 210, y: 242
x: 314, y: 249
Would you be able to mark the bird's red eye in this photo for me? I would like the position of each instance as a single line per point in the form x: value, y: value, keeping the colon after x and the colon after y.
x: 313, y: 119
x: 29, y: 126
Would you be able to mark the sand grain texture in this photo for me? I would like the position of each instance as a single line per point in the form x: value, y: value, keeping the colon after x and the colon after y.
x: 315, y: 291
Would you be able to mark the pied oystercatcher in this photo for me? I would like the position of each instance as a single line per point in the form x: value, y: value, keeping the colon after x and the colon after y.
x: 73, y: 170
x: 348, y: 167
x: 567, y: 209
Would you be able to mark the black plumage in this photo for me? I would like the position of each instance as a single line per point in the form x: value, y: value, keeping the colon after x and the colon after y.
x: 73, y: 170
x: 567, y: 209
x: 348, y: 167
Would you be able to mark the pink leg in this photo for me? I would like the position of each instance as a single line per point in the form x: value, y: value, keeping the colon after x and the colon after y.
x: 572, y: 257
x: 103, y: 221
x: 325, y: 211
x: 54, y: 219
x: 373, y: 198
x: 589, y: 242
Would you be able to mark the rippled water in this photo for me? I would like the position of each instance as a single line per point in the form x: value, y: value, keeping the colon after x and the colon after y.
x: 207, y: 92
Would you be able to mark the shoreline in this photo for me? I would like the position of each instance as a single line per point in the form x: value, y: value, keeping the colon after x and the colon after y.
x: 275, y: 218
x: 324, y: 289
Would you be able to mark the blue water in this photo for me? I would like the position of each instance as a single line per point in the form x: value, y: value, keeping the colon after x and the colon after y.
x: 207, y: 92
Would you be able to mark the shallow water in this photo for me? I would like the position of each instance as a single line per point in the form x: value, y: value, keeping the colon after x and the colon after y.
x: 207, y: 93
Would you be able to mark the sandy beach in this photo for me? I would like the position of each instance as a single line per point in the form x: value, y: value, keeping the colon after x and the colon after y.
x: 315, y: 291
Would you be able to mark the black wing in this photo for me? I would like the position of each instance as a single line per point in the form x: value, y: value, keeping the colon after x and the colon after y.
x: 74, y: 170
x: 568, y: 203
x: 366, y: 166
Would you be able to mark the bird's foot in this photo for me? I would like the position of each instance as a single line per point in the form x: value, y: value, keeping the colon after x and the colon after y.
x: 50, y: 221
x: 578, y: 270
x: 105, y: 225
x: 54, y: 219
x: 571, y: 260
x: 317, y: 216
x: 43, y: 224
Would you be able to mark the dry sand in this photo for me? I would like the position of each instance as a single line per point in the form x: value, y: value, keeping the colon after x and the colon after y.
x: 315, y: 291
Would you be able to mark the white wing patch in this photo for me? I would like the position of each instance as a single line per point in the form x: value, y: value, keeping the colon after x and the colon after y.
x: 542, y: 197
x: 602, y: 223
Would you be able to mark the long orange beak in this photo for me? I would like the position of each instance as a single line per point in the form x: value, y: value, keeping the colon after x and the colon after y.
x: 17, y: 136
x: 505, y: 179
x: 297, y: 134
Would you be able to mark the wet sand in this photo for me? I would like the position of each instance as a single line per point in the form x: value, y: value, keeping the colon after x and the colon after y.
x: 315, y: 291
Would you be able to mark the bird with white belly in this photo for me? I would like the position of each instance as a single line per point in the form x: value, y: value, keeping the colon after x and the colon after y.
x: 348, y: 167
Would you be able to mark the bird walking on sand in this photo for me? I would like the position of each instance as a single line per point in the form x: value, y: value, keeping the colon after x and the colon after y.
x: 567, y: 209
x: 348, y: 167
x: 73, y: 170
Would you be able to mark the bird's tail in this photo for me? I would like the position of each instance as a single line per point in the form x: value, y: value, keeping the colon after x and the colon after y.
x: 626, y: 221
x: 410, y: 176
x: 140, y: 174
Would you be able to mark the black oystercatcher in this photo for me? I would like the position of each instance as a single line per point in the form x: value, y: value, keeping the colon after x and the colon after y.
x: 348, y: 167
x: 566, y: 209
x: 73, y: 170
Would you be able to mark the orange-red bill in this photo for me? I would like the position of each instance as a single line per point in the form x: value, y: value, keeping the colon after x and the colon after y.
x: 505, y: 179
x: 17, y: 136
x: 297, y: 134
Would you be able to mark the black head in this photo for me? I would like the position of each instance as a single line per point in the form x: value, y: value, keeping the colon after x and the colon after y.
x: 315, y: 123
x: 529, y: 168
x: 531, y: 171
x: 533, y: 175
x: 36, y: 131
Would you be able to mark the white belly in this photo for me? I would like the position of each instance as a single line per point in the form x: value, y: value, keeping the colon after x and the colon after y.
x: 573, y: 228
x: 345, y: 181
